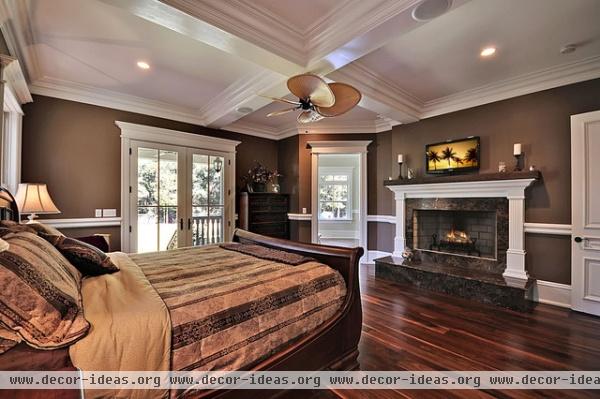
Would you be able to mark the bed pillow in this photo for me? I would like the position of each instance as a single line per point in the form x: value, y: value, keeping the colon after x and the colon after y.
x: 40, y: 295
x: 88, y: 259
x: 31, y: 227
x: 44, y: 228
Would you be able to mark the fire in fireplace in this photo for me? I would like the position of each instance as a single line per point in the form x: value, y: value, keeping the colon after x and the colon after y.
x: 455, y: 240
x: 461, y: 232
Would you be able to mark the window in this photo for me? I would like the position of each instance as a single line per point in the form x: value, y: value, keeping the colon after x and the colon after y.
x: 335, y: 194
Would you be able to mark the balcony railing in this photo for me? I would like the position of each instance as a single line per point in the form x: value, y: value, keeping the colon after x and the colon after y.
x: 205, y: 230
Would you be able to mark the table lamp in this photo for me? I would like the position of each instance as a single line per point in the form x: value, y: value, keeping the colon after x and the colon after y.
x: 33, y: 199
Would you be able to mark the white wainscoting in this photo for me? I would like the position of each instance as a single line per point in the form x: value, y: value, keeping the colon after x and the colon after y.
x: 82, y: 222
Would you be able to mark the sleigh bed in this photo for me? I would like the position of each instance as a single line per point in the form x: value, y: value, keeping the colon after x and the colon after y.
x: 257, y: 304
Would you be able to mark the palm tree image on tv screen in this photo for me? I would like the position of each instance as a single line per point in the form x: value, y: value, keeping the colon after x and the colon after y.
x: 453, y: 156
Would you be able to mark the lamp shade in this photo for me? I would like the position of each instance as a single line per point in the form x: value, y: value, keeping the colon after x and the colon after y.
x: 34, y: 198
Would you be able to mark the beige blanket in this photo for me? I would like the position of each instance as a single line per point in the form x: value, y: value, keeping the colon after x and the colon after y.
x: 122, y: 336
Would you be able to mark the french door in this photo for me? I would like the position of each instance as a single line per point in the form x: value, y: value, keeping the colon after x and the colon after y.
x: 177, y: 197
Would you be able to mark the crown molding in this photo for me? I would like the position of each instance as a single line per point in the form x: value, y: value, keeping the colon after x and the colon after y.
x: 19, y: 35
x: 13, y: 75
x: 349, y: 21
x: 543, y: 79
x: 377, y: 88
x: 106, y: 98
x: 268, y: 132
x: 236, y: 94
x: 255, y: 24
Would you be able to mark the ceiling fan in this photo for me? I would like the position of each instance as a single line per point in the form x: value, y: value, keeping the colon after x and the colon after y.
x: 318, y: 99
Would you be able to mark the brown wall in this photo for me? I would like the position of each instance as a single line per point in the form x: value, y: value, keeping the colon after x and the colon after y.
x: 300, y: 187
x: 539, y: 121
x: 287, y: 159
x: 75, y: 148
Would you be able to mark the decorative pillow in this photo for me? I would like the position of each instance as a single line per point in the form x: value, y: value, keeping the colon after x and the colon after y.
x: 44, y: 228
x: 39, y: 293
x: 88, y: 259
x: 31, y: 227
x: 4, y: 230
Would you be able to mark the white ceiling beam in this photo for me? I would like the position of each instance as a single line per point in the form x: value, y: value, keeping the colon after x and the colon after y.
x: 239, y: 28
x: 187, y: 22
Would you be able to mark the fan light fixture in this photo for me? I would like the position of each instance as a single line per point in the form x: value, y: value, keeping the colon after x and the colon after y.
x: 318, y: 99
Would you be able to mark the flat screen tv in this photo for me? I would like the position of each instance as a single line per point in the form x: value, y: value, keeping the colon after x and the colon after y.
x: 453, y: 156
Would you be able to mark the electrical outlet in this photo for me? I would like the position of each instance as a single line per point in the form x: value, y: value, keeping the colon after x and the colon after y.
x: 98, y: 213
x: 109, y: 213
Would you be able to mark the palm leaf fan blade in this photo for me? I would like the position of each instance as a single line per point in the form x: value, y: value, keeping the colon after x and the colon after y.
x: 311, y: 87
x: 346, y: 98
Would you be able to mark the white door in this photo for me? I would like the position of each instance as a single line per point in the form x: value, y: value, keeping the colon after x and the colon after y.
x: 178, y: 197
x: 585, y: 213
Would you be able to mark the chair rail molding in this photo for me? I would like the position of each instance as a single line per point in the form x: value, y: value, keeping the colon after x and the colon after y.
x: 300, y: 216
x: 548, y: 228
x: 73, y: 223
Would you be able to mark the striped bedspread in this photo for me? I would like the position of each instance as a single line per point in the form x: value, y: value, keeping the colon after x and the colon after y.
x: 229, y: 310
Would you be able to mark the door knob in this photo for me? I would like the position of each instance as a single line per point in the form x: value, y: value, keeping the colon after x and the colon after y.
x: 578, y: 239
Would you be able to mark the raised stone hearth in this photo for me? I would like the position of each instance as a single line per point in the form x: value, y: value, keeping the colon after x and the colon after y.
x: 466, y: 236
x: 485, y: 287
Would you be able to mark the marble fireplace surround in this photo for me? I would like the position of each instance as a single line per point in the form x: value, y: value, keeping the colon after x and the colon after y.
x: 498, y: 205
x: 494, y: 185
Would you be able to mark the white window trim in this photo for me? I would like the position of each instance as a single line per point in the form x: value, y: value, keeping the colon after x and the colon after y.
x: 134, y: 132
x: 341, y: 170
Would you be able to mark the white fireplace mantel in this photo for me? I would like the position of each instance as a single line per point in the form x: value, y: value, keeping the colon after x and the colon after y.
x: 513, y: 189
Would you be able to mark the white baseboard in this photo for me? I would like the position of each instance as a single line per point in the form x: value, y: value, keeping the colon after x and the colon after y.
x: 374, y: 254
x: 552, y: 293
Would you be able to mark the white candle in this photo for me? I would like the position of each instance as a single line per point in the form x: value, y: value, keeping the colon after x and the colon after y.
x: 400, y: 158
x: 517, y: 149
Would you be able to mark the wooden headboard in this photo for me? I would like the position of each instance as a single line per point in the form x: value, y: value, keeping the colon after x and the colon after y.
x: 8, y: 206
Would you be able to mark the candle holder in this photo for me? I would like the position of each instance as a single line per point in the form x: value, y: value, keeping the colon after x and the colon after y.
x: 400, y: 171
x: 518, y: 162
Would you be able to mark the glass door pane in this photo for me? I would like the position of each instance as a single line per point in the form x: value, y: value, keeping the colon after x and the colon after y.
x: 208, y: 216
x: 157, y: 205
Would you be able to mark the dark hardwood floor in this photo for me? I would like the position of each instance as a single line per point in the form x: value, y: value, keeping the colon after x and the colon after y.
x: 409, y: 329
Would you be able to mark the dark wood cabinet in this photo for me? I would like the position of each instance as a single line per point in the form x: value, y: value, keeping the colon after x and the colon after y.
x: 265, y: 213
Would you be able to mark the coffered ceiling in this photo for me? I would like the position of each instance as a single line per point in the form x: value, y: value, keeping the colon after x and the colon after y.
x: 209, y: 58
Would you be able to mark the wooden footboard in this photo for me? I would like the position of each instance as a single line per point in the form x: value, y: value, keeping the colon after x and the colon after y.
x: 334, y: 345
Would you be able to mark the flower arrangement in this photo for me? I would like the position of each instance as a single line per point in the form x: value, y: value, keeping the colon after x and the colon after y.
x: 258, y: 176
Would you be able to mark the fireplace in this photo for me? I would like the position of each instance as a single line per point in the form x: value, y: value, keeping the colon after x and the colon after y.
x: 462, y: 235
x: 466, y: 233
x: 470, y: 233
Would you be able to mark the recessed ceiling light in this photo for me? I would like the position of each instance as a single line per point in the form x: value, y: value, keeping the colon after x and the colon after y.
x: 488, y: 51
x: 143, y: 65
x: 244, y: 110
